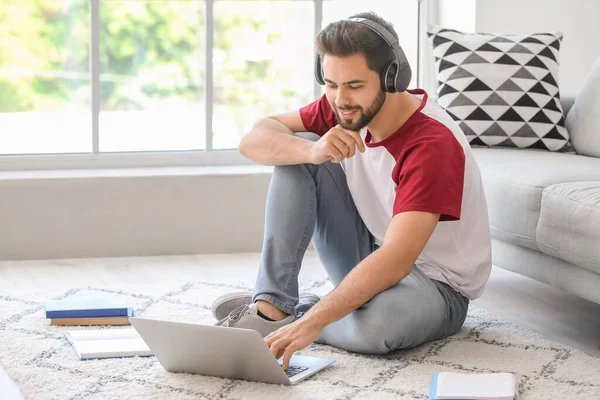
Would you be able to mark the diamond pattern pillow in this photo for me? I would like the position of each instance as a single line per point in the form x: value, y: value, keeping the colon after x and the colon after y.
x: 501, y: 89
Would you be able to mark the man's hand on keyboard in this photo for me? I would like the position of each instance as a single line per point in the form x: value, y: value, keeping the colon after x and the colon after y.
x: 293, y: 337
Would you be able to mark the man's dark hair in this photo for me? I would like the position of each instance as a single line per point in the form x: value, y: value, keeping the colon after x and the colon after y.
x: 345, y: 38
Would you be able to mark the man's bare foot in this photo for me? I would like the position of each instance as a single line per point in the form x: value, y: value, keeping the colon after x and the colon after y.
x: 270, y: 310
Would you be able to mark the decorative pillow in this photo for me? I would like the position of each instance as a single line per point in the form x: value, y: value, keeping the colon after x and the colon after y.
x: 501, y: 89
x: 583, y: 119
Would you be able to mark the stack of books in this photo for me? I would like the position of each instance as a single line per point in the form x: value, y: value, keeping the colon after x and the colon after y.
x: 96, y: 311
x: 107, y: 343
x: 473, y: 386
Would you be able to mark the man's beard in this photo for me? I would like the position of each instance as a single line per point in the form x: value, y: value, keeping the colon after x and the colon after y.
x: 365, y: 117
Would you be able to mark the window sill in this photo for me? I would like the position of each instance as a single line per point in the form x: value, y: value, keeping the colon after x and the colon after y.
x: 226, y: 170
x: 89, y: 161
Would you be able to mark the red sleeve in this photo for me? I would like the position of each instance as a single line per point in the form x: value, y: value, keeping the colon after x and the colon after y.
x: 318, y: 117
x: 430, y: 176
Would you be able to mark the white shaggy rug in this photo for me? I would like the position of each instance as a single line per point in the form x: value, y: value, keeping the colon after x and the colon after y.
x: 41, y: 362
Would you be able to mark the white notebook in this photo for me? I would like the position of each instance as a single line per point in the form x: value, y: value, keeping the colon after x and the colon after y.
x: 476, y: 386
x: 107, y: 343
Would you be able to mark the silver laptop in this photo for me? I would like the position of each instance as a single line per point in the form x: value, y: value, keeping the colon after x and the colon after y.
x: 221, y: 351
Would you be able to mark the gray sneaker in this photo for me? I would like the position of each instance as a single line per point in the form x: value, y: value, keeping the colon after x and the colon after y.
x: 246, y: 317
x: 224, y: 305
x: 306, y: 302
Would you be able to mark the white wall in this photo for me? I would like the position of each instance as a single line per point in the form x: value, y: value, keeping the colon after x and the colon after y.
x: 579, y: 20
x: 61, y: 214
x: 457, y: 14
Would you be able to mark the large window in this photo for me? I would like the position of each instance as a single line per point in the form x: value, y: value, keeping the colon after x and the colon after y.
x: 151, y: 75
x: 262, y: 61
x: 128, y: 77
x: 45, y: 92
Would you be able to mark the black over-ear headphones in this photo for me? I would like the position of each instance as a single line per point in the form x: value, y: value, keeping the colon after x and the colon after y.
x: 395, y: 76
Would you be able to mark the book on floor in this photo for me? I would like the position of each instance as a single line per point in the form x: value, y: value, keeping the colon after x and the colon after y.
x: 473, y: 386
x: 107, y: 343
x: 86, y: 308
x: 90, y: 321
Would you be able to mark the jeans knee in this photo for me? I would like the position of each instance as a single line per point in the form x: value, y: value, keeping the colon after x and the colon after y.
x: 293, y: 174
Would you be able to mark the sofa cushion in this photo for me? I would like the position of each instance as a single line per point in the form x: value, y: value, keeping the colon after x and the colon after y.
x: 583, y: 119
x: 514, y: 180
x: 569, y: 225
x: 501, y: 89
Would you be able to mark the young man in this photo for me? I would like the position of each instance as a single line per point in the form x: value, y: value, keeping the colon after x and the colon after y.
x: 388, y: 191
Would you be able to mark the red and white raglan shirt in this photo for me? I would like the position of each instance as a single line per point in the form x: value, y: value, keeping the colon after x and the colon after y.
x: 427, y: 165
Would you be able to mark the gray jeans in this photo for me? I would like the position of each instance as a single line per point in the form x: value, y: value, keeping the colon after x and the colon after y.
x: 313, y: 202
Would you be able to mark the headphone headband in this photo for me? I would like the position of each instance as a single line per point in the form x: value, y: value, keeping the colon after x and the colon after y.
x: 378, y: 29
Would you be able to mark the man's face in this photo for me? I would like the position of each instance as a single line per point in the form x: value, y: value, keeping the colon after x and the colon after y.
x: 353, y: 90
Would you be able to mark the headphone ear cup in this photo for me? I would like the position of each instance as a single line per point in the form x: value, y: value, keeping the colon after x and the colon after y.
x: 388, y: 77
x: 319, y: 71
x: 404, y: 75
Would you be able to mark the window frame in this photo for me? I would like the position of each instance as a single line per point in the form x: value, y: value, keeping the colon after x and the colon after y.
x: 144, y: 159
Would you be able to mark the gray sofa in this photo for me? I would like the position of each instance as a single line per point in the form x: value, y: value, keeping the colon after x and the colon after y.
x: 544, y: 207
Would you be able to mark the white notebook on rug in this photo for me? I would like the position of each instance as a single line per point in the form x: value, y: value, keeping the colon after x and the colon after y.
x: 474, y: 386
x: 107, y: 343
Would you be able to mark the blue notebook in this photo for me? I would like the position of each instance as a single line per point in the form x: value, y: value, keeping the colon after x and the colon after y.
x: 82, y: 308
x: 433, y: 388
x: 470, y: 386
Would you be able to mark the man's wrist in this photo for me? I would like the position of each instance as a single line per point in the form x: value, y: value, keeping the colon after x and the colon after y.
x: 316, y: 317
x: 309, y: 152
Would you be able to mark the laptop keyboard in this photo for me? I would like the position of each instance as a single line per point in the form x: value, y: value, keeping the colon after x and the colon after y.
x: 291, y: 371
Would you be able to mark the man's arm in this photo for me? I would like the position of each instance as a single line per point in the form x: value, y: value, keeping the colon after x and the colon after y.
x: 404, y: 241
x: 271, y: 141
x: 405, y: 238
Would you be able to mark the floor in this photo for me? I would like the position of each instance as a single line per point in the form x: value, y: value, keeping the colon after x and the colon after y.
x: 551, y: 312
x: 541, y: 308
